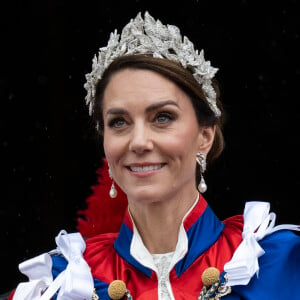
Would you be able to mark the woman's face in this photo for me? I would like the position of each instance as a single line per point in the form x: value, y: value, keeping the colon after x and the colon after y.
x: 151, y: 136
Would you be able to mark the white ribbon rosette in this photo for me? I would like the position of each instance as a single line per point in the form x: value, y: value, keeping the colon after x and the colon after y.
x: 258, y: 223
x: 75, y: 282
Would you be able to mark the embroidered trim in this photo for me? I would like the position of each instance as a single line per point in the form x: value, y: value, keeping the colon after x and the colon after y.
x: 216, y: 290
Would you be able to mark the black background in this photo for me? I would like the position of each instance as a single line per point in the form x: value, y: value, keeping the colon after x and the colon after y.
x: 49, y: 152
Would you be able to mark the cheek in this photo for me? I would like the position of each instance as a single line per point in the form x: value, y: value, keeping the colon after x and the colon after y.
x: 183, y: 148
x: 111, y: 147
x: 182, y: 144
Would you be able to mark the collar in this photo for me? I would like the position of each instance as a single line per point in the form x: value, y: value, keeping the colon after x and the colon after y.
x: 193, y: 239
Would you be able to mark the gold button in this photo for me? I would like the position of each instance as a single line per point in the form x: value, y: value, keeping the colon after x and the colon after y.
x: 210, y: 276
x: 117, y: 289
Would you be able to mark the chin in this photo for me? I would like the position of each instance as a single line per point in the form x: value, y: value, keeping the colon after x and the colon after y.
x: 145, y: 194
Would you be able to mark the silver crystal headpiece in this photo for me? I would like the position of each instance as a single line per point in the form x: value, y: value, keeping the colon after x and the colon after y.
x: 147, y: 36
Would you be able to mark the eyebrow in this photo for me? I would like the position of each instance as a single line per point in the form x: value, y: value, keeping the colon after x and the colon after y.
x: 160, y: 104
x: 152, y: 107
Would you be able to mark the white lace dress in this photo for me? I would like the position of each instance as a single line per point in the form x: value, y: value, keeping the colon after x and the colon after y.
x: 162, y: 263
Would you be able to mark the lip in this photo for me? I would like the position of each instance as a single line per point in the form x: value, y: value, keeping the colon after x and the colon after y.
x: 145, y: 169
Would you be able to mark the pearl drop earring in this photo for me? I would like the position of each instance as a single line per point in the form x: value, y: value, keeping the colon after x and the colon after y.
x: 113, y: 191
x: 201, y: 160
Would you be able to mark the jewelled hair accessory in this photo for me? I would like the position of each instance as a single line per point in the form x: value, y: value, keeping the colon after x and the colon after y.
x: 147, y: 36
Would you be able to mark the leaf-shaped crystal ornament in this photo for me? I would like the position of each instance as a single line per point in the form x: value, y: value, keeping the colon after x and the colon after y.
x: 147, y: 36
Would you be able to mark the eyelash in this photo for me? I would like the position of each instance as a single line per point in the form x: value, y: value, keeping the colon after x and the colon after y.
x: 168, y: 117
x: 113, y: 122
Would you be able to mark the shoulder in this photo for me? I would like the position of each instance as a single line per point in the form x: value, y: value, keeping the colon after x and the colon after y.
x: 102, y: 240
x: 235, y: 223
x: 99, y: 245
x: 283, y: 246
x: 282, y: 255
x: 278, y: 276
x: 101, y: 256
x: 277, y: 252
x: 98, y: 249
x: 233, y: 229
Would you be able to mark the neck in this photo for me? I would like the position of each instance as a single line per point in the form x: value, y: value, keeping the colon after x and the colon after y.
x: 158, y: 222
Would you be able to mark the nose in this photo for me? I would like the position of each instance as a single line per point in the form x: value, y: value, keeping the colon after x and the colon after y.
x: 140, y: 140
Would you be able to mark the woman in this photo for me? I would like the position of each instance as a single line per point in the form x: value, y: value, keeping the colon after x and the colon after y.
x: 156, y: 105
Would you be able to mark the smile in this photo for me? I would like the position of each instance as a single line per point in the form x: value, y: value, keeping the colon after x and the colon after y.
x: 147, y: 168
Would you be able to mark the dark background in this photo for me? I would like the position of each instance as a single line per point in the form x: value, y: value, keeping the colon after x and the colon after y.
x: 49, y: 153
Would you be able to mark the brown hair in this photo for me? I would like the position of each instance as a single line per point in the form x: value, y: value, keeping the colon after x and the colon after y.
x: 180, y: 76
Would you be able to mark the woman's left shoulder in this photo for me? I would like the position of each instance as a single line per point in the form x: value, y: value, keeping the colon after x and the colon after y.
x: 235, y: 222
x: 233, y: 227
x: 278, y: 276
x: 283, y: 244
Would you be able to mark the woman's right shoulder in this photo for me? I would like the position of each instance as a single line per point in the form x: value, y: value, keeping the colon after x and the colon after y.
x: 100, y: 252
x: 97, y: 249
x: 46, y: 271
x: 101, y: 242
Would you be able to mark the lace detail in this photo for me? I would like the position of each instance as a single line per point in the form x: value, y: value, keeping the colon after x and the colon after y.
x: 162, y: 263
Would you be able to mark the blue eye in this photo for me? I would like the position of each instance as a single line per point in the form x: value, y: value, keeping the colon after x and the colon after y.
x: 117, y: 123
x: 164, y: 117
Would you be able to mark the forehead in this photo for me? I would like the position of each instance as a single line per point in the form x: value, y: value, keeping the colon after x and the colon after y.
x: 140, y: 86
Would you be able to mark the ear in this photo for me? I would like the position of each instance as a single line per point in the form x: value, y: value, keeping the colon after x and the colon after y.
x: 206, y: 138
